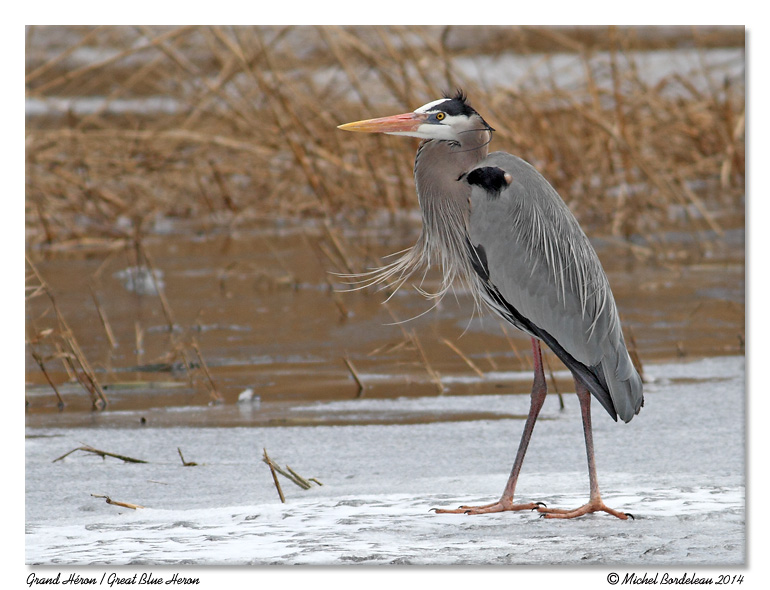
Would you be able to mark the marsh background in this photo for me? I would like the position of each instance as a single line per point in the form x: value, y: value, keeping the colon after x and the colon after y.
x: 190, y: 203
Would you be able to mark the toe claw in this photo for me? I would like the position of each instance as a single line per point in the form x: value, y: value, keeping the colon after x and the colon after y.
x: 629, y: 515
x: 543, y: 504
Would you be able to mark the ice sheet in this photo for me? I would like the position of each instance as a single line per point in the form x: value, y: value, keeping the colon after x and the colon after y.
x: 679, y: 467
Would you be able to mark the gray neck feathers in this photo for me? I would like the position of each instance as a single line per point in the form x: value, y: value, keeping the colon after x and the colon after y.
x: 443, y: 199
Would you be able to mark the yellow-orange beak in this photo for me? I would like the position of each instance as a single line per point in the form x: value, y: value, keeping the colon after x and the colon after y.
x: 405, y: 123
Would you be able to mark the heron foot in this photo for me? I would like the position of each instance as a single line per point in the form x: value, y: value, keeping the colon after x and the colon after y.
x: 499, y: 506
x: 591, y: 506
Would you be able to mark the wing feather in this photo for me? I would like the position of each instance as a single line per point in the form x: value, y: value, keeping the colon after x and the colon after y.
x: 539, y: 263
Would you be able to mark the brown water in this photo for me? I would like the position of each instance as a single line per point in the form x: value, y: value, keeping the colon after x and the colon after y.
x: 260, y: 306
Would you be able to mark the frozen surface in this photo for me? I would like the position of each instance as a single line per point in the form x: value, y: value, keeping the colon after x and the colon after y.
x: 678, y: 467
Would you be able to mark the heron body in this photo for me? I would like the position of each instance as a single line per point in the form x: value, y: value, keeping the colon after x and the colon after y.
x: 545, y: 277
x: 494, y: 222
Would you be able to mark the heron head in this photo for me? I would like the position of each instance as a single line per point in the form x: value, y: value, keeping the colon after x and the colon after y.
x: 443, y: 119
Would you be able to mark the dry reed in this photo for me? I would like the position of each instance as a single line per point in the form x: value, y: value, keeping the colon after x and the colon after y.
x: 116, y: 503
x: 232, y: 126
x: 185, y: 463
x: 62, y: 340
x: 288, y: 473
x: 102, y: 454
x: 356, y: 377
x: 240, y: 123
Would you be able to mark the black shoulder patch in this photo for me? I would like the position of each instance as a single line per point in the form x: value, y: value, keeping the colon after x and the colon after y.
x: 490, y: 178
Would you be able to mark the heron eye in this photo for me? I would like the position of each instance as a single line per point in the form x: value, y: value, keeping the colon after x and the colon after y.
x: 440, y: 116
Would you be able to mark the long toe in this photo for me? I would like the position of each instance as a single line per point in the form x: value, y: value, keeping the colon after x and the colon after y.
x: 499, y: 506
x: 593, y: 506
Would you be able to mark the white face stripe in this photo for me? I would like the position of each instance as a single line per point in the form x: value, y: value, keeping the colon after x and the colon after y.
x: 427, y: 107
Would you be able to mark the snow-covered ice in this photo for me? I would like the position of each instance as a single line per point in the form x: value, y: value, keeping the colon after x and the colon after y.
x: 679, y: 467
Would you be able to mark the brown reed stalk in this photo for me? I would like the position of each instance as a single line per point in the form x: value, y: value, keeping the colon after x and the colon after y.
x: 288, y: 473
x: 354, y: 373
x: 272, y: 466
x: 103, y: 454
x: 116, y: 503
x: 255, y: 101
x: 465, y: 359
x: 524, y: 361
x: 64, y: 356
x: 145, y: 255
x: 433, y: 374
x: 88, y: 69
x: 103, y: 318
x: 213, y: 391
x: 63, y: 56
x: 41, y: 364
x: 75, y: 357
x: 185, y: 463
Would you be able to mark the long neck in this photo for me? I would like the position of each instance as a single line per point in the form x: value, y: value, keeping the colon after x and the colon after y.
x: 438, y: 166
x: 444, y: 204
x: 443, y: 198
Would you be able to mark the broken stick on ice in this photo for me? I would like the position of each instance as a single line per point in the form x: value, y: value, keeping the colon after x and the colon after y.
x: 288, y: 473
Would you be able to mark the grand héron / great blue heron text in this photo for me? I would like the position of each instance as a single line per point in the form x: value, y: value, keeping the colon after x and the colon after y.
x: 493, y: 222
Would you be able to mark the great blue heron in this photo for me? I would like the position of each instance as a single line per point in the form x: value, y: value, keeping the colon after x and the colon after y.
x: 495, y: 223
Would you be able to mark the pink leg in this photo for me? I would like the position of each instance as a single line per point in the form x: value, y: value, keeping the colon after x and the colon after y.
x: 595, y: 503
x: 537, y: 397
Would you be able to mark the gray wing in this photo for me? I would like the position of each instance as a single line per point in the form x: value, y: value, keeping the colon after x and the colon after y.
x: 541, y: 273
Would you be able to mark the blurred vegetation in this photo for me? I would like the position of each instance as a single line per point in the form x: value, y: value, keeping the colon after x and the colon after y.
x: 135, y: 130
x: 232, y: 126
